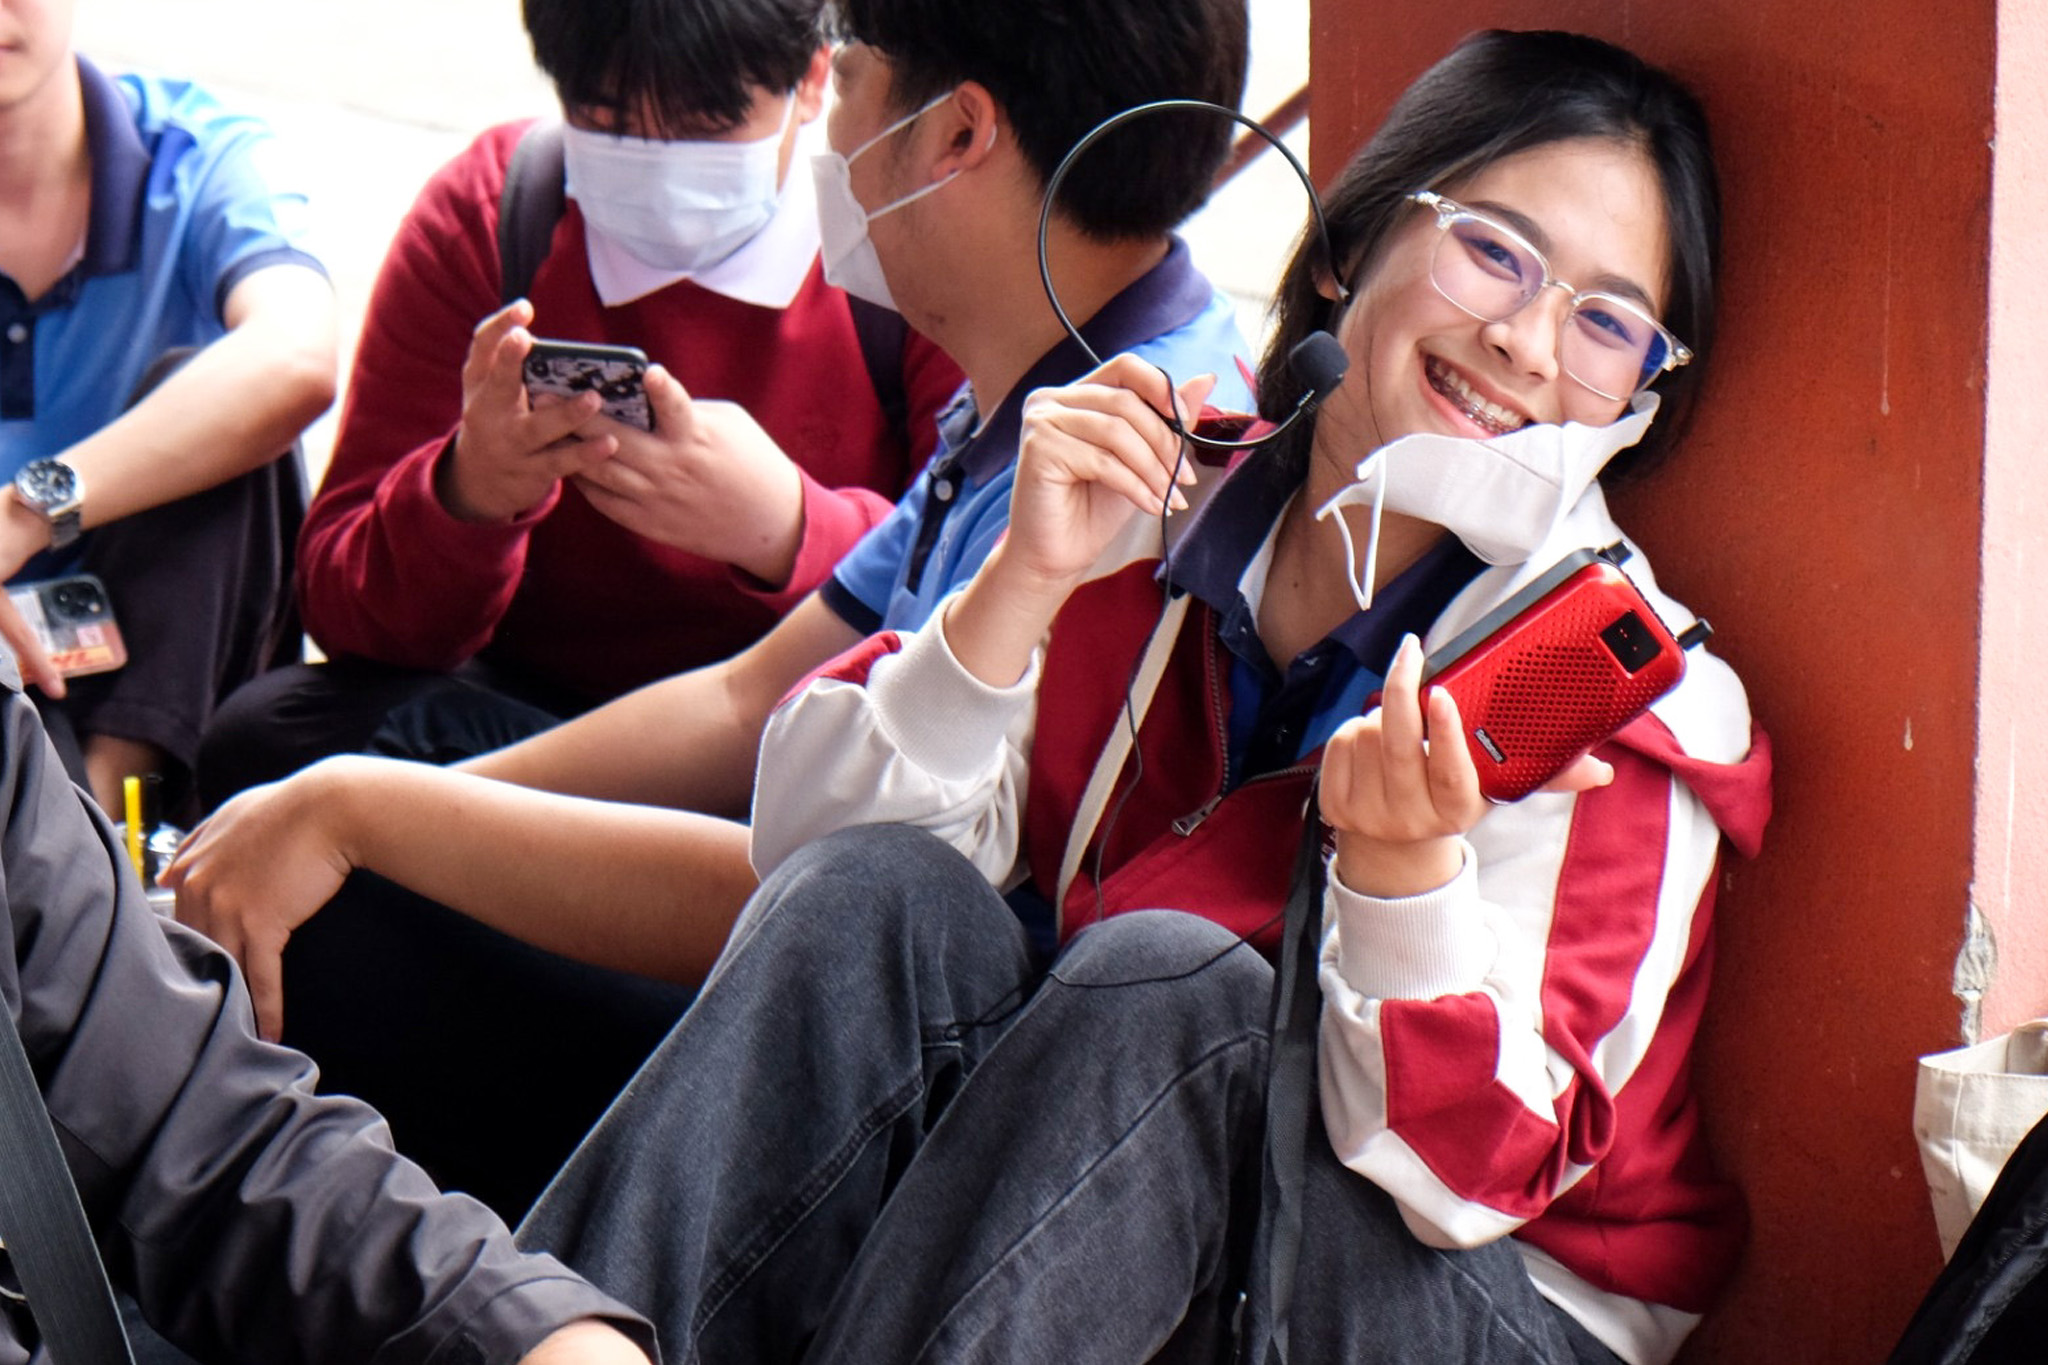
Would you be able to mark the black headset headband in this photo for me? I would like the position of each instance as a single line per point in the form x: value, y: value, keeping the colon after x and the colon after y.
x: 1318, y: 360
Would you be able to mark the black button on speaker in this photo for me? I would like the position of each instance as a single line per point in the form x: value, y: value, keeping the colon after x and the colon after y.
x: 1630, y: 642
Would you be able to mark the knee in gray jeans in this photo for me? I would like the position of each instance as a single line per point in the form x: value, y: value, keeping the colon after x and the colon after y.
x: 877, y: 886
x: 1144, y: 946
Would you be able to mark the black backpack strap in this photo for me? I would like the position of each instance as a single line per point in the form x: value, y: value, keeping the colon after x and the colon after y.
x: 883, y: 334
x: 529, y: 207
x: 1290, y: 1086
x: 44, y: 1225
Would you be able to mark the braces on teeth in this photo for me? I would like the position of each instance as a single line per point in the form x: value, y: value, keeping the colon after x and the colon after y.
x: 1487, y: 414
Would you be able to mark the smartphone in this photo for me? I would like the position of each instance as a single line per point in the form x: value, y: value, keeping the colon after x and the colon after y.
x: 618, y: 373
x: 73, y: 620
x: 1556, y: 669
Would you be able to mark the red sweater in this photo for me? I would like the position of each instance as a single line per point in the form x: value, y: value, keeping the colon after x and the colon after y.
x: 565, y: 596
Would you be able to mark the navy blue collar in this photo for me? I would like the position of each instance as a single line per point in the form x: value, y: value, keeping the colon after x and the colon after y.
x: 1211, y: 557
x: 120, y: 175
x: 1212, y: 553
x: 1171, y: 294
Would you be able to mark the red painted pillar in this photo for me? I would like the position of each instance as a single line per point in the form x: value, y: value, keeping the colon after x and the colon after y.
x: 1861, y: 509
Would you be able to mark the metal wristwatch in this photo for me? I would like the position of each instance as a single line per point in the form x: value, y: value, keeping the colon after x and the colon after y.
x: 52, y: 489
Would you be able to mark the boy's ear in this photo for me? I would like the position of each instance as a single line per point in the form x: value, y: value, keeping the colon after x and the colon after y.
x: 810, y: 90
x: 973, y: 123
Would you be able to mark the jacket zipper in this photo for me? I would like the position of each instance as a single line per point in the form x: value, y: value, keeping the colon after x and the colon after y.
x: 1192, y: 821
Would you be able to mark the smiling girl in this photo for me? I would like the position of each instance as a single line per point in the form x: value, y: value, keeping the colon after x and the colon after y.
x: 939, y: 1148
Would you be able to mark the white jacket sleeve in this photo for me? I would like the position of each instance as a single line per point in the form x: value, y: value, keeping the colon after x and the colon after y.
x: 896, y: 731
x: 1474, y: 1037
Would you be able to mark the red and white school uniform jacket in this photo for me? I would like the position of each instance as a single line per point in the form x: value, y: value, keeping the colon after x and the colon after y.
x: 1507, y: 1055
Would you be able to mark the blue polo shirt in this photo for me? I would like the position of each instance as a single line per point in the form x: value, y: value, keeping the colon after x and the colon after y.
x: 1282, y: 711
x: 185, y: 204
x: 950, y: 519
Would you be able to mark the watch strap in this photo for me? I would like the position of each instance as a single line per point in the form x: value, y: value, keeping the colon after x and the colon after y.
x: 65, y: 526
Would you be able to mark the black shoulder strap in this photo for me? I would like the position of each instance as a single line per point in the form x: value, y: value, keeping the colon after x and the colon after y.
x: 1290, y: 1083
x: 883, y: 333
x: 529, y: 207
x: 44, y: 1226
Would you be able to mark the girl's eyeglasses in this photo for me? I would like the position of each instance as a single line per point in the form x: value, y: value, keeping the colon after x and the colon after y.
x: 1608, y: 344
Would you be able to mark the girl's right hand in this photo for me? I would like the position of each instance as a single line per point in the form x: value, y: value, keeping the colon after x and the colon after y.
x: 1091, y: 455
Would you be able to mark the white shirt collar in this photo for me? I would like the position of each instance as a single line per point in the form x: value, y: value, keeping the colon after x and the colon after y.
x: 767, y: 271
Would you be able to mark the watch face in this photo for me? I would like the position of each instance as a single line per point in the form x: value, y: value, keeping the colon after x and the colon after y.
x: 47, y: 483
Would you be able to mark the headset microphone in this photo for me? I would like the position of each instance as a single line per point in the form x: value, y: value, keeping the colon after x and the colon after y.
x: 1318, y: 360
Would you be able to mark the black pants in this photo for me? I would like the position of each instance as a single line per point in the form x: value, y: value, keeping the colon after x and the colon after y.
x: 301, y: 713
x: 491, y: 1058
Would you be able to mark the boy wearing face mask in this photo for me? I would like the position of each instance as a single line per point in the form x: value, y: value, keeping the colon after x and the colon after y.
x: 478, y: 565
x: 947, y: 122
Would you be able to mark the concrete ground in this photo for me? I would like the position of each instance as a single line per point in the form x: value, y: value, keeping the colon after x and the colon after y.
x: 377, y: 93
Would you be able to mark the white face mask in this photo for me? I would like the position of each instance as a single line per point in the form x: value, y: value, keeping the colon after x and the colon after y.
x: 849, y: 253
x: 676, y: 206
x: 1502, y: 496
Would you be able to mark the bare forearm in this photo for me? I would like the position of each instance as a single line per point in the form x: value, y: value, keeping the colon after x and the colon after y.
x: 631, y: 887
x: 678, y: 743
x: 689, y: 742
x: 235, y: 405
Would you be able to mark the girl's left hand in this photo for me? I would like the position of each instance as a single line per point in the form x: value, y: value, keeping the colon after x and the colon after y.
x: 1400, y: 805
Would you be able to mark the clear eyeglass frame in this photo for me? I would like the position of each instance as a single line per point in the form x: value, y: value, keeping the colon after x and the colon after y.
x: 1449, y: 213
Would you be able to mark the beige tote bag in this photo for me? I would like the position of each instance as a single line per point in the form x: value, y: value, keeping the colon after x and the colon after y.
x: 1971, y: 1107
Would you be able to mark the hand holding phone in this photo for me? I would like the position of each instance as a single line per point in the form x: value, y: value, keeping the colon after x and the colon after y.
x: 73, y: 620
x: 509, y: 454
x: 618, y: 374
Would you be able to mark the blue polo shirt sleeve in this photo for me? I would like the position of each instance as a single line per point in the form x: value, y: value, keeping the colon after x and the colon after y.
x: 188, y: 199
x: 241, y: 199
x: 859, y: 590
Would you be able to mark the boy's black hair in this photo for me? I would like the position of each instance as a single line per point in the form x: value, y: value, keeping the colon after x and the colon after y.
x: 1496, y: 94
x: 692, y: 66
x: 1058, y: 68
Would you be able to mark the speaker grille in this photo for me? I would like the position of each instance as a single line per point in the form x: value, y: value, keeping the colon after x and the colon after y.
x: 1552, y: 691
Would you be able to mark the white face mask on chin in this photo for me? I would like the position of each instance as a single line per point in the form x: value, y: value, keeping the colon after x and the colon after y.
x: 1502, y: 496
x: 848, y: 251
x: 677, y: 207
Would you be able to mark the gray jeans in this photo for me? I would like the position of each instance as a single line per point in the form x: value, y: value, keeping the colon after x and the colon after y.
x: 881, y: 1135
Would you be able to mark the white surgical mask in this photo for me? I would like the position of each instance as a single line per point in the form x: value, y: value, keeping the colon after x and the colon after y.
x: 849, y: 253
x: 676, y: 207
x: 1502, y: 496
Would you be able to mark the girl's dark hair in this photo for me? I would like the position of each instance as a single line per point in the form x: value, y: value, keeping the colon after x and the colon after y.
x: 1058, y: 68
x: 694, y: 65
x: 1496, y: 94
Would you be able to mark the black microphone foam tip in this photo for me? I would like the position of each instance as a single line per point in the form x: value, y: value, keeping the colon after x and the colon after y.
x: 1319, y: 361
